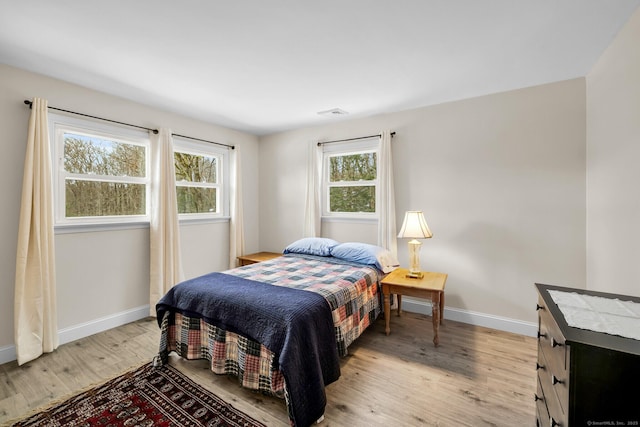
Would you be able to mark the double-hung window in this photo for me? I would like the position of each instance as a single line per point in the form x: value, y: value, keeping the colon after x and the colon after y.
x: 350, y: 179
x: 101, y: 172
x: 201, y: 179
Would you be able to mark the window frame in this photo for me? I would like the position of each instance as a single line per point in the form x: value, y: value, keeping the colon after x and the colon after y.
x: 59, y: 125
x: 184, y: 145
x: 368, y: 145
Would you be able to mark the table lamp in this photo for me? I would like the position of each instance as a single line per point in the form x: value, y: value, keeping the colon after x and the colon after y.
x: 414, y: 227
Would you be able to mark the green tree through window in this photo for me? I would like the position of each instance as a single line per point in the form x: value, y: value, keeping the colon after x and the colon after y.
x: 352, y: 181
x: 196, y: 183
x: 103, y: 177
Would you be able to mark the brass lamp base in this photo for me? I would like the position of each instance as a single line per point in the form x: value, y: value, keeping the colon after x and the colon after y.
x: 414, y: 260
x: 416, y: 275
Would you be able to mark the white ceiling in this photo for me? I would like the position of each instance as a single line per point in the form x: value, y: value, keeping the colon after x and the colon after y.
x: 268, y: 66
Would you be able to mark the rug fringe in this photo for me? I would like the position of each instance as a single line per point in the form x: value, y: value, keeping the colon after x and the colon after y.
x: 47, y: 406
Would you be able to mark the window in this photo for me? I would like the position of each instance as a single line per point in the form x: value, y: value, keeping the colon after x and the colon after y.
x: 351, y: 178
x: 101, y: 172
x: 201, y: 177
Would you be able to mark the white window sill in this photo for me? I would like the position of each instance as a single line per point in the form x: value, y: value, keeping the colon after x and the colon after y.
x: 362, y: 220
x: 198, y: 221
x: 93, y: 228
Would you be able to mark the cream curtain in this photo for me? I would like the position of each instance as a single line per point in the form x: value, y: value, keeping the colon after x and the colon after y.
x: 387, y: 216
x: 236, y: 224
x: 164, y: 231
x: 35, y: 310
x: 312, y: 213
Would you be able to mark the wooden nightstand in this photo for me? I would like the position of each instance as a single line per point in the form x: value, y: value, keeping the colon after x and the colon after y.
x: 257, y: 257
x: 431, y: 286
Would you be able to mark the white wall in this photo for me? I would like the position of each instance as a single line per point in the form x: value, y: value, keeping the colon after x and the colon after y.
x: 103, y: 277
x: 613, y: 165
x: 501, y: 179
x: 507, y: 183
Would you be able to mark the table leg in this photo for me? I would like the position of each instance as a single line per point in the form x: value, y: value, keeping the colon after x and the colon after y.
x: 441, y: 307
x: 435, y: 315
x: 399, y: 303
x: 387, y: 312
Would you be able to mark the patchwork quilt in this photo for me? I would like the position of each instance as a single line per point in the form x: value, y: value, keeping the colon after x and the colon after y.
x: 351, y: 291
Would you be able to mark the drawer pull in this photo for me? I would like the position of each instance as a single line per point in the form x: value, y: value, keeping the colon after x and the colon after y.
x: 536, y: 397
x: 553, y: 422
x: 541, y: 335
x: 555, y: 343
x: 539, y: 307
x: 539, y: 366
x: 555, y: 380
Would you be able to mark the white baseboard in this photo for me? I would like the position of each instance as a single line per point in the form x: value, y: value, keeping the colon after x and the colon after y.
x: 8, y: 353
x: 72, y: 333
x: 474, y: 318
x: 82, y: 330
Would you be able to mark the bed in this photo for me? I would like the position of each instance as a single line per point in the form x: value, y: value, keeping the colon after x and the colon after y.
x: 281, y: 325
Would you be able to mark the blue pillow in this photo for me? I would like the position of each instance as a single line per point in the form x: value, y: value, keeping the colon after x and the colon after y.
x: 311, y: 246
x: 364, y: 253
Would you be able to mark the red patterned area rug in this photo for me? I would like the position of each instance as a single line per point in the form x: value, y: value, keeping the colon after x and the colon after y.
x: 144, y: 397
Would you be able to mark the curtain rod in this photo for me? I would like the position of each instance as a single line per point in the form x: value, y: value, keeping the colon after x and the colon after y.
x: 353, y: 139
x: 233, y: 147
x: 155, y: 131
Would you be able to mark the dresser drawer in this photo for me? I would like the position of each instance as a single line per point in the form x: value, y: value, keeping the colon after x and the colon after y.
x: 549, y: 334
x: 555, y: 407
x: 553, y: 357
x: 542, y: 413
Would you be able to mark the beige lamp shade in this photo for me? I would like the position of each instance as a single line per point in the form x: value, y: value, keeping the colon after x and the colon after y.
x: 414, y: 226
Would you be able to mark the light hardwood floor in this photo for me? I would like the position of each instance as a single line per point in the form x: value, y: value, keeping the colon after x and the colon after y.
x: 476, y: 377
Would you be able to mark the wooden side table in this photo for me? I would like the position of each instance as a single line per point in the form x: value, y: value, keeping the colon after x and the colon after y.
x: 431, y: 286
x: 257, y: 257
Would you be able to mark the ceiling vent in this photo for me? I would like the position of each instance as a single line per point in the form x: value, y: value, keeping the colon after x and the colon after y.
x: 333, y: 112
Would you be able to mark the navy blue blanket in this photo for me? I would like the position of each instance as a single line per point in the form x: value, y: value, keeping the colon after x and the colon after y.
x: 294, y: 324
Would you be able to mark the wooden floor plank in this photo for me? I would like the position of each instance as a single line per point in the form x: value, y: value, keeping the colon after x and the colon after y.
x: 477, y: 376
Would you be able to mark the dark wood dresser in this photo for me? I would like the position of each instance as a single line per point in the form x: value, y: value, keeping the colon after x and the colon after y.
x: 585, y: 378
